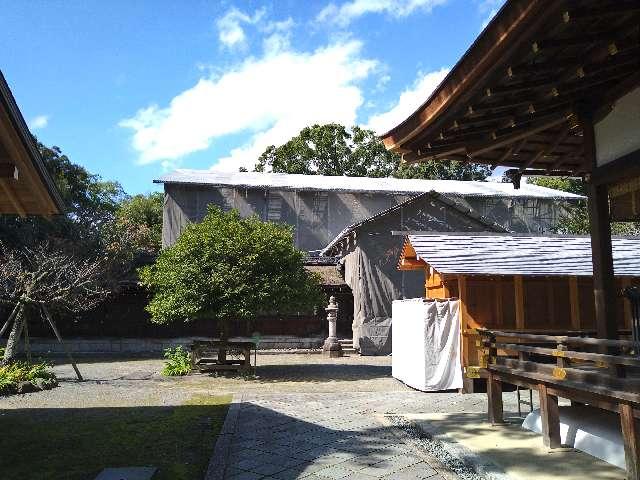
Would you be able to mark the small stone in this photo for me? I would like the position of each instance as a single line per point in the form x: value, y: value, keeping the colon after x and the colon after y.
x: 26, y: 387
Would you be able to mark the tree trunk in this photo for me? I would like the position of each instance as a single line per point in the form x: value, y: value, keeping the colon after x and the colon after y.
x: 11, y: 350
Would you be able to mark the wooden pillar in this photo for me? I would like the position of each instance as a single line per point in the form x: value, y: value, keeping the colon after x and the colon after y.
x: 464, y: 319
x: 604, y: 290
x: 550, y: 418
x: 574, y: 301
x: 631, y: 438
x: 519, y: 301
x: 494, y: 396
x: 626, y: 282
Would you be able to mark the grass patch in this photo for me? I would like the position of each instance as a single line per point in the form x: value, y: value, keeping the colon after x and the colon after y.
x: 76, y: 444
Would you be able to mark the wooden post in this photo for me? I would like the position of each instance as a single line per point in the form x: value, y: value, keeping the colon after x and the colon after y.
x: 519, y: 301
x: 630, y: 436
x: 464, y: 317
x: 45, y: 311
x: 574, y: 300
x: 494, y: 395
x: 604, y: 289
x: 626, y: 282
x: 550, y: 417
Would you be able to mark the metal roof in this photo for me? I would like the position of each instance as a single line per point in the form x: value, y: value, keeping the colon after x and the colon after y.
x: 283, y: 181
x: 491, y: 226
x: 496, y: 254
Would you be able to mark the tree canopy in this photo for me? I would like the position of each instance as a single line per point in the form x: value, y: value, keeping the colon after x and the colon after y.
x: 332, y: 149
x: 227, y: 268
x: 576, y: 221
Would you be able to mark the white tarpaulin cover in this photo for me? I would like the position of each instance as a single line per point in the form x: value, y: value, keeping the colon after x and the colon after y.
x: 426, y: 344
x: 589, y: 429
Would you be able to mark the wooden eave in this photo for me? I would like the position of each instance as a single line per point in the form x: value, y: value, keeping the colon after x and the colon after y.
x: 408, y: 258
x: 26, y: 187
x: 517, y: 96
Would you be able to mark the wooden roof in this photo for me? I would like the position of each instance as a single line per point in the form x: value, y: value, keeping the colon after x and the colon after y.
x: 26, y: 188
x: 499, y: 254
x: 516, y: 97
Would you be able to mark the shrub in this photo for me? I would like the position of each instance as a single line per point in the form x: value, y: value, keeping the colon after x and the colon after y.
x: 178, y: 362
x: 228, y: 267
x: 39, y: 374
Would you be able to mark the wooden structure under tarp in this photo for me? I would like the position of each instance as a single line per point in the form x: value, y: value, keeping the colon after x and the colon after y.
x: 518, y: 283
x: 26, y: 188
x: 553, y: 88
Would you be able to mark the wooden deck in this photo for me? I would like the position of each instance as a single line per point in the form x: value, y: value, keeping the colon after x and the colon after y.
x: 598, y: 372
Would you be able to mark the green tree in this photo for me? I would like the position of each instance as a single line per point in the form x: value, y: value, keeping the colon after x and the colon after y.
x: 91, y: 205
x: 332, y: 149
x: 444, y: 170
x: 230, y: 268
x: 139, y: 219
x: 576, y: 221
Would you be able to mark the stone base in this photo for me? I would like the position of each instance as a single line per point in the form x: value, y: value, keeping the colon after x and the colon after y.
x: 332, y: 348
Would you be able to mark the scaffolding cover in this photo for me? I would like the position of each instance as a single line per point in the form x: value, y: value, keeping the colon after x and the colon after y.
x: 426, y: 344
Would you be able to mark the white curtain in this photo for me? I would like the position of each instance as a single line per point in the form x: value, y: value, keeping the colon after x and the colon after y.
x: 426, y: 344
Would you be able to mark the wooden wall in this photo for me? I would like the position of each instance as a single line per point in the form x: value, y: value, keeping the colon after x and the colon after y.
x: 546, y: 304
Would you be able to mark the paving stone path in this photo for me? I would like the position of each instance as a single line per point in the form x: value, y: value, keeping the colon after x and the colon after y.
x: 324, y: 436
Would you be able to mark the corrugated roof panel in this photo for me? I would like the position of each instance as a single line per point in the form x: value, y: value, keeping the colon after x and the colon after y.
x: 478, y: 254
x: 359, y: 184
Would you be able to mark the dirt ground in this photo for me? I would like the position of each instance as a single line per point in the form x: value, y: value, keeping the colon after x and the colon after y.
x: 111, y: 381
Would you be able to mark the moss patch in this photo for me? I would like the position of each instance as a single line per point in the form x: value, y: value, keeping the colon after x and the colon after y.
x: 77, y: 443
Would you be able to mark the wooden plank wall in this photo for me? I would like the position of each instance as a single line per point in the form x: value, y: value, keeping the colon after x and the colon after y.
x: 522, y: 303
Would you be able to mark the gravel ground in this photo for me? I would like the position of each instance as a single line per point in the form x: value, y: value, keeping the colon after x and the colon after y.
x: 111, y: 381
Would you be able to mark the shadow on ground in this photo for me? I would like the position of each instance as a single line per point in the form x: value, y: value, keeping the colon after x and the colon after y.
x: 323, y: 372
x: 301, y: 438
x: 77, y: 443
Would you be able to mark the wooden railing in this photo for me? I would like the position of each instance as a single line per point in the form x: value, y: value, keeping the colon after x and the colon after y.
x: 598, y: 372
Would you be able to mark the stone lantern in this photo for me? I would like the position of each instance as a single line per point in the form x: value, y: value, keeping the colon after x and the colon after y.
x: 332, y: 347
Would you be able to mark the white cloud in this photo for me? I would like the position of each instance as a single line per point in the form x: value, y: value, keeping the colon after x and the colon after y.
x: 41, y: 121
x: 230, y: 31
x: 343, y: 15
x: 408, y: 102
x: 269, y: 98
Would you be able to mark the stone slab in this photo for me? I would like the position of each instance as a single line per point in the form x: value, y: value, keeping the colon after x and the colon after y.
x: 127, y: 473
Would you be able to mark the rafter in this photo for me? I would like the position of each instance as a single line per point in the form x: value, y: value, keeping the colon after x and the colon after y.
x: 8, y: 188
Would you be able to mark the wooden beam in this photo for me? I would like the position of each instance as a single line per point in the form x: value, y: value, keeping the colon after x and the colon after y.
x: 631, y: 439
x: 574, y: 303
x: 597, y: 12
x: 7, y: 187
x: 8, y: 171
x: 516, y: 135
x: 547, y: 150
x: 518, y: 285
x: 601, y: 249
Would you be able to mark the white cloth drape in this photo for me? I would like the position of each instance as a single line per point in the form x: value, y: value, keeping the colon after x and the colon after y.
x: 426, y: 344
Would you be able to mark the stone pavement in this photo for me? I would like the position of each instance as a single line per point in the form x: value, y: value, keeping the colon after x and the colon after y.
x: 322, y: 436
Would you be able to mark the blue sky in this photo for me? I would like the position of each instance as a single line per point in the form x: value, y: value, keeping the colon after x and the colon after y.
x: 132, y: 89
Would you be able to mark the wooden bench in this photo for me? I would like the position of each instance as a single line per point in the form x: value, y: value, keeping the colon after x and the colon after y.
x: 608, y: 378
x: 217, y: 355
